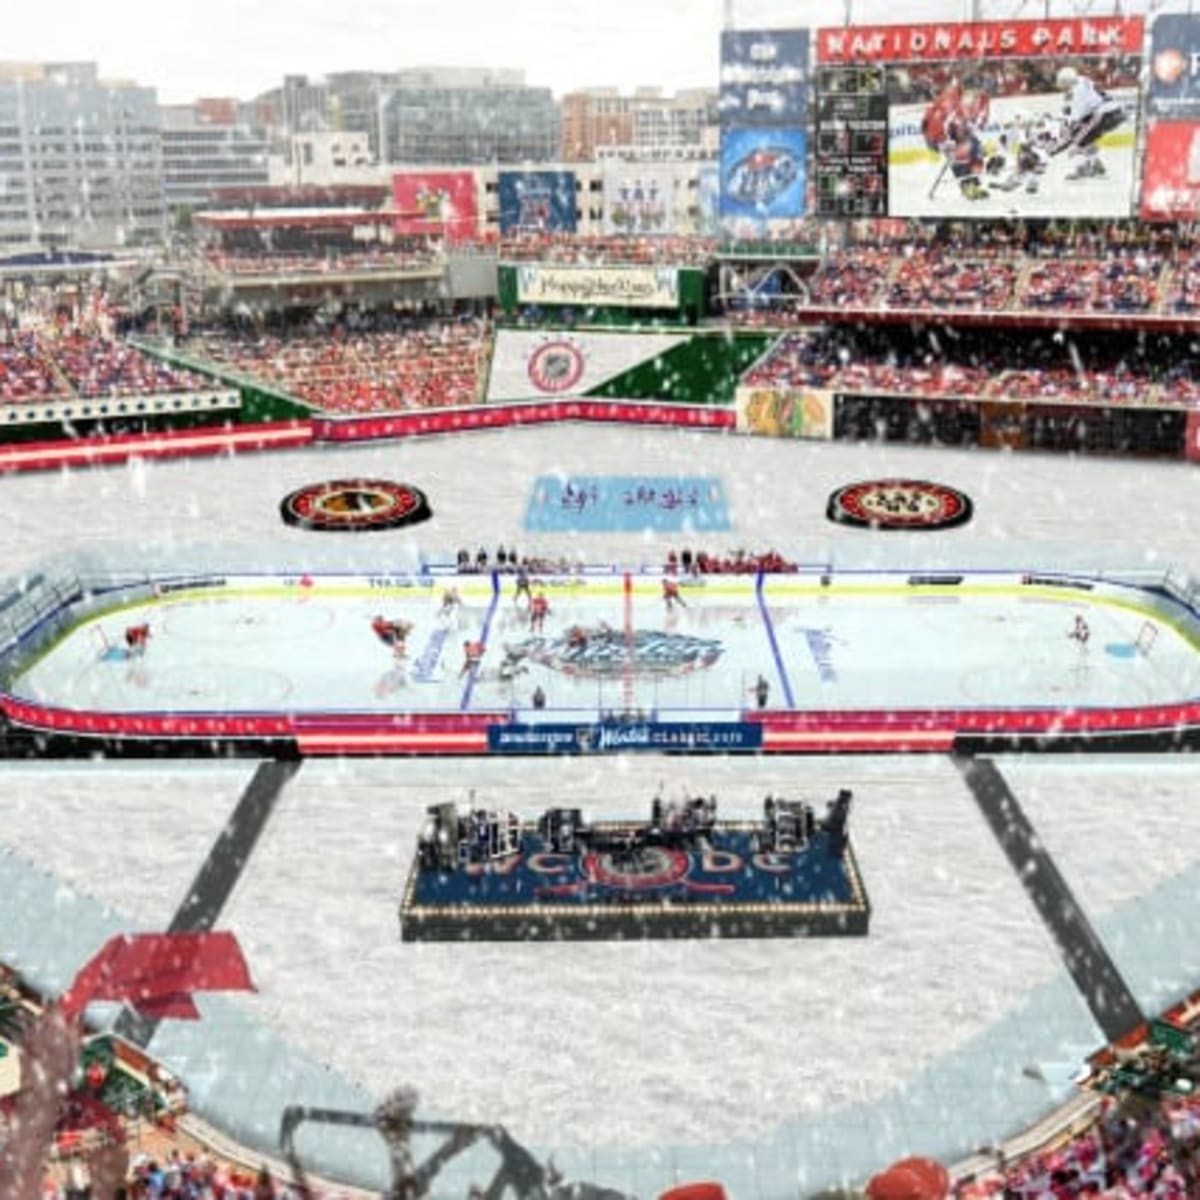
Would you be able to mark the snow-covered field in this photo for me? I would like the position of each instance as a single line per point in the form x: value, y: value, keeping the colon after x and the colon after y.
x: 619, y: 1045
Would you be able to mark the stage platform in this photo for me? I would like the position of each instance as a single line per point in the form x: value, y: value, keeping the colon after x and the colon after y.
x: 731, y: 890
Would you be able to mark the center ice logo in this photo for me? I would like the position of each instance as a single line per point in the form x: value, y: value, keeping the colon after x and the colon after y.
x: 604, y: 651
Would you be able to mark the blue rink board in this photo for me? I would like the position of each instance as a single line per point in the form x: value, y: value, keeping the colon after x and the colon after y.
x: 627, y: 504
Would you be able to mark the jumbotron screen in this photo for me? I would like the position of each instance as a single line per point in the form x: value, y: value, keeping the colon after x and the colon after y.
x: 991, y: 120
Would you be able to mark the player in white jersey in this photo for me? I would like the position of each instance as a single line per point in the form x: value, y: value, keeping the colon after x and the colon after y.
x: 1089, y: 113
x: 1024, y: 153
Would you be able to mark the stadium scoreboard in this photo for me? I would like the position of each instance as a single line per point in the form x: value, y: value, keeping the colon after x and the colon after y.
x: 850, y: 159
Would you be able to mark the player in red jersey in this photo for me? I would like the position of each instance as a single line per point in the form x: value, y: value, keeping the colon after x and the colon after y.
x: 952, y: 125
x: 671, y: 595
x: 472, y: 657
x: 137, y: 638
x: 393, y: 634
x: 539, y: 610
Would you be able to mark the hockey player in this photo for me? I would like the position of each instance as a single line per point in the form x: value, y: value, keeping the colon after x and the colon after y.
x: 1080, y: 632
x: 1024, y: 154
x: 522, y: 586
x: 671, y: 595
x: 1088, y: 114
x: 451, y: 603
x: 951, y: 125
x: 137, y: 638
x: 393, y: 634
x: 539, y: 610
x: 472, y: 657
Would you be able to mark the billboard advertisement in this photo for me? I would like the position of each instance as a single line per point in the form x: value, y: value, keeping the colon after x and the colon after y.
x: 638, y: 199
x: 626, y: 287
x: 536, y: 201
x: 442, y: 203
x: 996, y: 119
x: 1171, y: 174
x: 763, y: 176
x: 1174, y: 90
x: 764, y: 77
x: 785, y: 412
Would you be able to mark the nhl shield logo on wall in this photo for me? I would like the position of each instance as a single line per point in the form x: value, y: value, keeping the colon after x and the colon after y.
x: 899, y: 504
x: 556, y: 367
x: 354, y: 506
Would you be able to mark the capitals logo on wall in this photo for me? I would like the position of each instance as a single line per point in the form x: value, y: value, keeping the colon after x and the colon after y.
x: 899, y: 504
x: 556, y: 367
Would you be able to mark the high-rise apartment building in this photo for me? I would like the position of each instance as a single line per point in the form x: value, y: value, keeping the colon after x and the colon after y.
x: 204, y: 147
x: 80, y: 158
x: 644, y: 125
x: 465, y: 116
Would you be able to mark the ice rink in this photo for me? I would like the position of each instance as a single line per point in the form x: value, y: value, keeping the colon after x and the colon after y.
x: 612, y: 643
x: 801, y: 1061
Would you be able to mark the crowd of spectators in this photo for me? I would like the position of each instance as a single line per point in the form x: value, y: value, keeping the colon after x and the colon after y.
x: 931, y: 278
x: 26, y: 373
x: 258, y: 262
x: 607, y: 250
x: 850, y: 278
x: 1119, y: 1158
x: 180, y: 1176
x: 82, y: 362
x: 737, y: 562
x: 102, y: 366
x: 1184, y: 296
x: 1118, y: 283
x: 1041, y: 369
x: 384, y: 365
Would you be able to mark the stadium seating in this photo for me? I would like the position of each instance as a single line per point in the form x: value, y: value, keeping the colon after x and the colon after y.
x: 854, y: 364
x: 1118, y: 1158
x: 318, y: 263
x: 25, y: 372
x: 102, y: 366
x: 595, y: 251
x: 430, y: 365
x: 72, y: 363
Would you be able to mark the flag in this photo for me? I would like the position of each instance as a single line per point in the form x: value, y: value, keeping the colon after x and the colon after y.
x: 156, y: 973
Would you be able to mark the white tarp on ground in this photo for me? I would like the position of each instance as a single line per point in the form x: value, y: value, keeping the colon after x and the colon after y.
x: 547, y: 366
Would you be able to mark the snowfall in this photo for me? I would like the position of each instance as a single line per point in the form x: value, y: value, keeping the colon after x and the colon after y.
x: 777, y: 1064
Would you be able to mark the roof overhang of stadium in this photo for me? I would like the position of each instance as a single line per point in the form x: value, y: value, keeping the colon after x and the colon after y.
x: 292, y: 218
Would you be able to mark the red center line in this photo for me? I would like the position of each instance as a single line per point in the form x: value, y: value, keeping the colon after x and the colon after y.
x: 628, y: 642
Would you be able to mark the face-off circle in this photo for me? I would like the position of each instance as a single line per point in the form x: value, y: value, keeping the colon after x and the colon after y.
x: 899, y: 504
x: 354, y: 506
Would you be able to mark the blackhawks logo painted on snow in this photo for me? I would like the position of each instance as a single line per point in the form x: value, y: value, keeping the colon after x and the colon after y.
x: 354, y: 505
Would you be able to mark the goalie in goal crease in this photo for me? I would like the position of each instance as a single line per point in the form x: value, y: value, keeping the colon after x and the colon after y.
x: 954, y: 125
